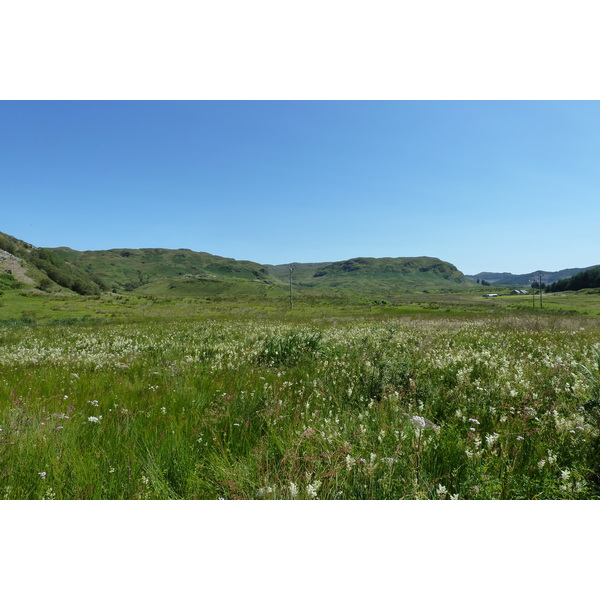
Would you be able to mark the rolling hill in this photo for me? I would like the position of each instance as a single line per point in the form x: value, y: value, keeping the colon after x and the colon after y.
x: 183, y: 272
x: 128, y: 269
x: 375, y: 275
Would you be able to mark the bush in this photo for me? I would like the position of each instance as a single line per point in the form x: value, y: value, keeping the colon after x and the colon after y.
x: 290, y: 349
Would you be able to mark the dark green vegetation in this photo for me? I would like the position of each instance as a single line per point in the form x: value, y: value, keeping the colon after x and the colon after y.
x: 525, y: 279
x: 584, y: 280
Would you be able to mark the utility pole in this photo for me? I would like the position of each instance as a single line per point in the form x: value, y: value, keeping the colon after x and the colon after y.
x: 540, y: 290
x: 291, y: 303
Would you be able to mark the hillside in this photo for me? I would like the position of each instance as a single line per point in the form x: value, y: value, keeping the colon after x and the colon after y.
x: 127, y: 269
x: 183, y: 272
x: 375, y: 274
x: 590, y: 278
x: 23, y: 264
x: 511, y: 279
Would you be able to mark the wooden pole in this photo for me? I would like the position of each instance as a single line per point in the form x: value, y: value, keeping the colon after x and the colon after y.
x: 291, y: 302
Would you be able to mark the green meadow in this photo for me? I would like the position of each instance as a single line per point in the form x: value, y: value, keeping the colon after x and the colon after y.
x: 415, y: 396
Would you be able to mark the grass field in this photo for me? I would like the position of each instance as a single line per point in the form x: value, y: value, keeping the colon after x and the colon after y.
x: 424, y: 396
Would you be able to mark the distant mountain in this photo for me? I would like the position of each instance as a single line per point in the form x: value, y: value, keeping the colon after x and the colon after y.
x: 524, y: 280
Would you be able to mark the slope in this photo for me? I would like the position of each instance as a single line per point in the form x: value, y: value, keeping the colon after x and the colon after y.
x: 127, y: 269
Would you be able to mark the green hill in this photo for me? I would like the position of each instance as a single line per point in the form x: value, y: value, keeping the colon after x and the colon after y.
x: 183, y: 272
x: 126, y: 269
x: 376, y: 275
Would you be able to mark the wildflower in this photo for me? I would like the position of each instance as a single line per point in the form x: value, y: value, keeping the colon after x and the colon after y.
x: 350, y: 462
x: 520, y: 438
x: 541, y: 464
x: 565, y: 474
x: 441, y: 491
x: 94, y: 419
x: 163, y: 410
x: 313, y: 488
x: 43, y: 474
x: 475, y: 421
x: 453, y: 496
x: 491, y: 439
x: 293, y: 490
x: 418, y: 422
x: 263, y: 491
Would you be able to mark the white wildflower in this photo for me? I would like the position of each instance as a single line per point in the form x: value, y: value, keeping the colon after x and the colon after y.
x: 94, y: 419
x: 418, y: 422
x: 441, y: 491
x: 293, y: 490
x: 491, y: 439
x: 313, y: 488
x: 263, y: 491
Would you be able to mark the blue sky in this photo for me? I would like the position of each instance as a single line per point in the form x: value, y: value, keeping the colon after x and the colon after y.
x: 488, y: 186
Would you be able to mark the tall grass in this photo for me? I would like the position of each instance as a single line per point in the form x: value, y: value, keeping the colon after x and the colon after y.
x: 413, y: 409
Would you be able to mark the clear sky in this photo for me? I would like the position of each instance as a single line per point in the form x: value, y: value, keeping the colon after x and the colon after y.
x: 485, y: 185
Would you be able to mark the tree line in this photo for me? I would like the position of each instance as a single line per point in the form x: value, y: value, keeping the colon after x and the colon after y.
x: 583, y: 280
